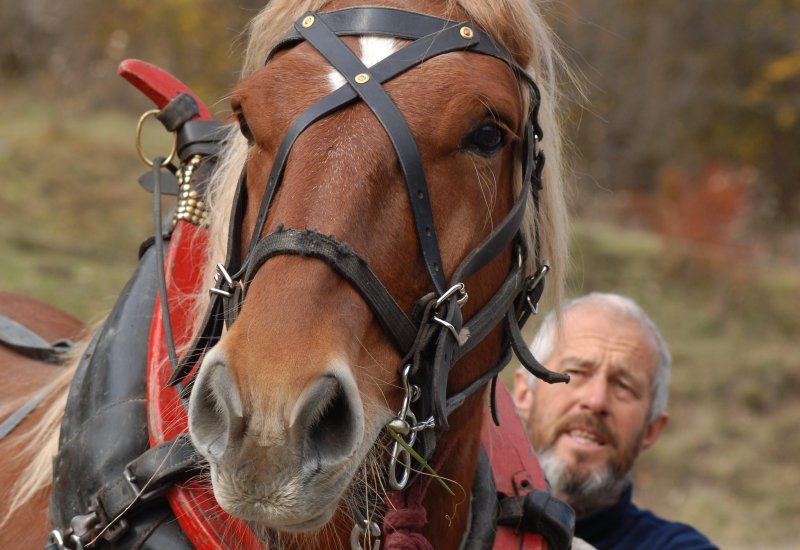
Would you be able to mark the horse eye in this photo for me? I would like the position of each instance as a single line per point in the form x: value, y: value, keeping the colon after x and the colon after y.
x: 244, y: 128
x: 487, y: 140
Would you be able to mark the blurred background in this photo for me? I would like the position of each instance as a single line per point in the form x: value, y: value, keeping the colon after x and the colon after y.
x: 685, y: 150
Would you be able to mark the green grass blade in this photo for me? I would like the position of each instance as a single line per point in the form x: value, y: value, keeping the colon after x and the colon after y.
x: 416, y: 456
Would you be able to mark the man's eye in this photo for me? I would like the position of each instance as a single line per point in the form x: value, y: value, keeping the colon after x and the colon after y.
x: 244, y: 128
x: 626, y: 389
x: 486, y: 140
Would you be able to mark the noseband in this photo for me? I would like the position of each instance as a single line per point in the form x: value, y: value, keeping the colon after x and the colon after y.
x: 438, y: 336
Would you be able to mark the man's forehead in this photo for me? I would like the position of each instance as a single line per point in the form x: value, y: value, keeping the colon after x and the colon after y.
x: 591, y: 333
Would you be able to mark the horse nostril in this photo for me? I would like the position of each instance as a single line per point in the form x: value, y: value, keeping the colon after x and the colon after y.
x: 326, y: 421
x: 215, y: 411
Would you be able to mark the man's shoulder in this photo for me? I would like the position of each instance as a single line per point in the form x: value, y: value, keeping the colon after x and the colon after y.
x: 625, y: 526
x: 652, y: 531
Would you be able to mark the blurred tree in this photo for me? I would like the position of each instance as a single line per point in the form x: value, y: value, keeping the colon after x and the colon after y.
x: 685, y: 84
x: 74, y: 46
x: 670, y: 84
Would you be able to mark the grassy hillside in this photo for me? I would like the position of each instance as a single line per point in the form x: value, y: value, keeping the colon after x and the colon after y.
x: 73, y: 216
x: 72, y: 210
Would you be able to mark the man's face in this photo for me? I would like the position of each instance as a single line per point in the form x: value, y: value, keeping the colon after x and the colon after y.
x: 597, y: 422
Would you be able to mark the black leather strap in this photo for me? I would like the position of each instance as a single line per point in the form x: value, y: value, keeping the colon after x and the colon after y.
x: 138, y: 489
x: 483, y: 507
x: 212, y: 326
x: 179, y: 110
x: 352, y: 267
x: 28, y: 343
x: 146, y: 477
x: 397, y: 23
x: 503, y: 234
x: 391, y: 22
x: 200, y: 137
x: 525, y: 356
x: 539, y: 512
x: 372, y: 93
x: 15, y: 419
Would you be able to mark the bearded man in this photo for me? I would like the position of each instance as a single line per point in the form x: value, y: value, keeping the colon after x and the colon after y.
x: 588, y: 433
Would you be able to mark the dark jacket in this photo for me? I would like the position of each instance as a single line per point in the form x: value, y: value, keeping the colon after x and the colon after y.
x: 623, y: 525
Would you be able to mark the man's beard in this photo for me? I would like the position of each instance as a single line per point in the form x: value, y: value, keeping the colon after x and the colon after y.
x: 588, y: 490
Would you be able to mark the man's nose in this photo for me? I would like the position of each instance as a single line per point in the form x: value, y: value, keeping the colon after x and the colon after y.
x: 594, y: 395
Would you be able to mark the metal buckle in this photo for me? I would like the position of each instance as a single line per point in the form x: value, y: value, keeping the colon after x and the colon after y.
x: 55, y: 537
x: 457, y: 288
x: 81, y: 530
x: 223, y: 277
x: 532, y: 284
x: 141, y: 495
x: 463, y: 296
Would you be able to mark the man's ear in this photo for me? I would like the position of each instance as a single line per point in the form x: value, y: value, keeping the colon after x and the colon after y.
x: 522, y: 394
x: 653, y: 431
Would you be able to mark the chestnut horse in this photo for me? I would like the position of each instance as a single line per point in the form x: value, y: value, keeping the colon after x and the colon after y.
x: 289, y: 408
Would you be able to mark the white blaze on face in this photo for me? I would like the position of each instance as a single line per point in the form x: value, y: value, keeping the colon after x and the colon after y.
x: 374, y: 49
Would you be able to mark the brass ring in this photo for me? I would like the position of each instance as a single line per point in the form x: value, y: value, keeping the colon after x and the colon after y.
x: 147, y: 161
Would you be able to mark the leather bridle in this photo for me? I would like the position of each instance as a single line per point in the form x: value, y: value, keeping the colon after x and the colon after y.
x: 437, y: 336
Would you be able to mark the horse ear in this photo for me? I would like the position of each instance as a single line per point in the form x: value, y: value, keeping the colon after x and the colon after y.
x: 522, y: 394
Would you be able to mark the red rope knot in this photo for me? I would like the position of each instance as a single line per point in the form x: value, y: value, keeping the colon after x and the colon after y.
x: 400, y: 524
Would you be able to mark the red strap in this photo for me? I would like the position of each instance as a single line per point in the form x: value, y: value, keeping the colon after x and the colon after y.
x: 515, y: 468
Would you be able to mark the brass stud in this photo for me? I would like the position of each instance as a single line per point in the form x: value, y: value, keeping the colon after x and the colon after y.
x: 362, y: 78
x: 308, y: 21
x: 467, y: 33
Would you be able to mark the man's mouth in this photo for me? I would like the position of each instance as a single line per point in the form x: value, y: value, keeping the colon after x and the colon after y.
x: 586, y: 438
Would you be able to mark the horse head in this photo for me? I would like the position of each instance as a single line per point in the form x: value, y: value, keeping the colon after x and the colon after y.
x: 336, y: 196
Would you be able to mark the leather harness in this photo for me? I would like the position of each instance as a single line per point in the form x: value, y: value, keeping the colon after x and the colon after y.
x: 133, y: 481
x: 433, y: 343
